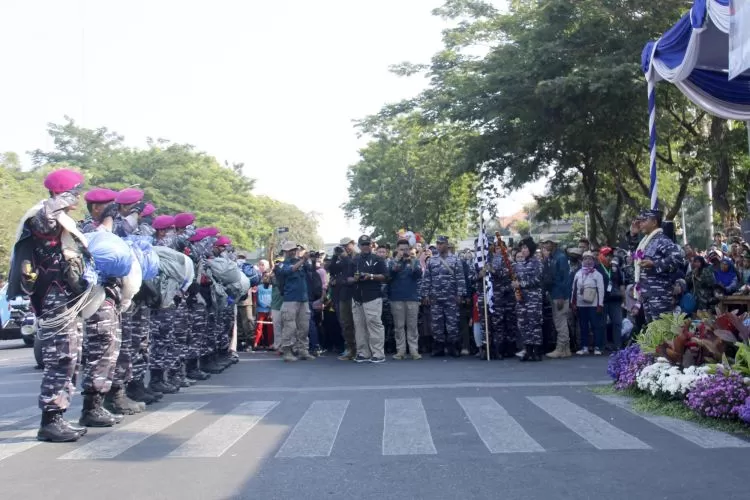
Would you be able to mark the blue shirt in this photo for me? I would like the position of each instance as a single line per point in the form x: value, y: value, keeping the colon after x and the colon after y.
x: 295, y: 282
x: 560, y: 276
x: 264, y: 298
x: 405, y: 281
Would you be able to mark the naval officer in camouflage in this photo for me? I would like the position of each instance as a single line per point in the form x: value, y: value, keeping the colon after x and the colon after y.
x: 443, y: 288
x: 658, y: 264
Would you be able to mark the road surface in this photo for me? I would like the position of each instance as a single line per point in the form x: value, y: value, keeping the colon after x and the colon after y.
x: 432, y: 429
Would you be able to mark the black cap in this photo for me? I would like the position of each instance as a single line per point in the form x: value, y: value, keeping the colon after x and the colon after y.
x: 651, y: 214
x: 364, y: 240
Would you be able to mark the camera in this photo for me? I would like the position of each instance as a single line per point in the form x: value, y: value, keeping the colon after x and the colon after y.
x: 338, y: 250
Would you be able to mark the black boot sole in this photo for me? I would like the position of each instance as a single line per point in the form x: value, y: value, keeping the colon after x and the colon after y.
x: 51, y: 439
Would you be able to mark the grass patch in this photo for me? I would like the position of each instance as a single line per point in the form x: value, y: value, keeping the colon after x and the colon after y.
x: 646, y: 403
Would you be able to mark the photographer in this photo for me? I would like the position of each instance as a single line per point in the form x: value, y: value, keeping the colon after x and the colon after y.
x: 340, y: 268
x: 405, y: 273
x: 295, y: 311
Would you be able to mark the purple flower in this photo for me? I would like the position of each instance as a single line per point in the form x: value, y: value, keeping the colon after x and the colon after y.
x: 720, y: 396
x: 744, y: 411
x: 625, y: 364
x: 639, y: 254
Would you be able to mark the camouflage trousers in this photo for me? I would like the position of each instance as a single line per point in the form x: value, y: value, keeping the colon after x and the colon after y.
x: 656, y: 305
x: 182, y: 330
x: 529, y: 312
x: 225, y: 326
x: 161, y: 350
x: 445, y: 315
x: 136, y: 323
x: 101, y: 348
x: 503, y: 321
x: 61, y: 352
x: 210, y: 333
x: 198, y: 321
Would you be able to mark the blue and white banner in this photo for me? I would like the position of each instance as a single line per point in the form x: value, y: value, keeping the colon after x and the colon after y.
x: 481, y: 256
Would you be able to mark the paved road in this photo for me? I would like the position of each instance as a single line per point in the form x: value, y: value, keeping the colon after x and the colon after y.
x: 403, y: 430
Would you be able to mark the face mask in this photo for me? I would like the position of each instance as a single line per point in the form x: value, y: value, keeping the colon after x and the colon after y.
x: 588, y: 264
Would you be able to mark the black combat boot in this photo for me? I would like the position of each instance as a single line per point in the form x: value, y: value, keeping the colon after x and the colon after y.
x: 137, y: 392
x: 209, y: 365
x: 74, y: 426
x: 224, y: 359
x: 508, y: 349
x: 528, y: 353
x: 54, y: 429
x: 438, y: 350
x: 538, y: 353
x: 117, y: 401
x: 454, y: 351
x: 184, y: 375
x: 195, y: 373
x: 93, y: 415
x: 158, y: 384
x: 176, y: 378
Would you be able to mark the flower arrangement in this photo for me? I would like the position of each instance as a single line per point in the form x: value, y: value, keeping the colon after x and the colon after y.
x: 719, y: 396
x: 666, y: 380
x: 624, y: 366
x: 744, y: 411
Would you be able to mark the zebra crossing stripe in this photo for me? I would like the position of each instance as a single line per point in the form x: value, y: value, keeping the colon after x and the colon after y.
x: 701, y: 436
x: 500, y: 432
x: 19, y: 443
x: 406, y: 430
x: 597, y: 431
x: 19, y: 416
x: 124, y: 437
x: 217, y: 438
x: 315, y: 433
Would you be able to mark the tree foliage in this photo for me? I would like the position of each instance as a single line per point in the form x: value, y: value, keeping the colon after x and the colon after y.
x: 554, y: 90
x: 412, y: 175
x: 175, y: 178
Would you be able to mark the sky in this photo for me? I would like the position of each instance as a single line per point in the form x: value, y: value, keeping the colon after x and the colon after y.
x: 275, y: 85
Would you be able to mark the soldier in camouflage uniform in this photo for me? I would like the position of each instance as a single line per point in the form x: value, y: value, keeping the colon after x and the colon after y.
x: 658, y: 264
x: 503, y: 320
x: 528, y: 279
x: 197, y: 312
x: 162, y: 347
x: 443, y: 288
x: 102, y: 341
x: 53, y: 282
x: 224, y: 314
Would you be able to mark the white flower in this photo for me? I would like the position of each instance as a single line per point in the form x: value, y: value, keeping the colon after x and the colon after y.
x: 662, y: 378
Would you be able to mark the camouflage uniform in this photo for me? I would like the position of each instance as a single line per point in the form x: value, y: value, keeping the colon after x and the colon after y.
x: 101, y: 348
x: 655, y: 285
x: 503, y: 321
x: 137, y: 322
x: 443, y: 283
x: 529, y: 309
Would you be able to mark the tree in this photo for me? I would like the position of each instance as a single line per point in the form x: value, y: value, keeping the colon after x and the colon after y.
x: 559, y: 93
x: 303, y: 227
x: 412, y: 176
x: 175, y: 177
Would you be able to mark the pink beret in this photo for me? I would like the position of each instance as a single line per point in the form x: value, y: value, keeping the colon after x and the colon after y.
x: 62, y: 180
x: 184, y: 219
x: 163, y: 222
x: 148, y: 210
x: 211, y: 231
x: 199, y: 235
x: 100, y: 195
x: 129, y: 196
x: 223, y: 241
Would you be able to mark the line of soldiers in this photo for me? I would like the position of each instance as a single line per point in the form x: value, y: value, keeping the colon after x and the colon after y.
x: 176, y: 338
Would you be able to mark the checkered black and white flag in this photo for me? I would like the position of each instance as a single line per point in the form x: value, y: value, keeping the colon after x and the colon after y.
x: 480, y: 259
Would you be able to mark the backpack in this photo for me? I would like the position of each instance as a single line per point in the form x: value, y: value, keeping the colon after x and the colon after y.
x: 314, y: 286
x: 252, y: 274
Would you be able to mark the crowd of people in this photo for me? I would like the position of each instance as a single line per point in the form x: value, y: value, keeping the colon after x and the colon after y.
x: 545, y: 300
x: 131, y: 334
x: 128, y: 336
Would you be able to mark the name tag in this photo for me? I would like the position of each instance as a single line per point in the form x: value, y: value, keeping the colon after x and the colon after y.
x: 609, y: 287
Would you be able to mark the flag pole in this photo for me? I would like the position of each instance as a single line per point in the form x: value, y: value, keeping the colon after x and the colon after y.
x: 484, y: 285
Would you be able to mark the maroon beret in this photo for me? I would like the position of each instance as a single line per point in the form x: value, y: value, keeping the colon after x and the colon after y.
x: 148, y: 210
x: 63, y: 180
x: 223, y: 241
x: 183, y: 220
x: 163, y: 222
x: 211, y: 231
x: 199, y: 235
x: 100, y: 195
x: 129, y: 196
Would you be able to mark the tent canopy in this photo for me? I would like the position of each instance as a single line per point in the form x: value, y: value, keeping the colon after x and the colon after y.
x: 694, y: 56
